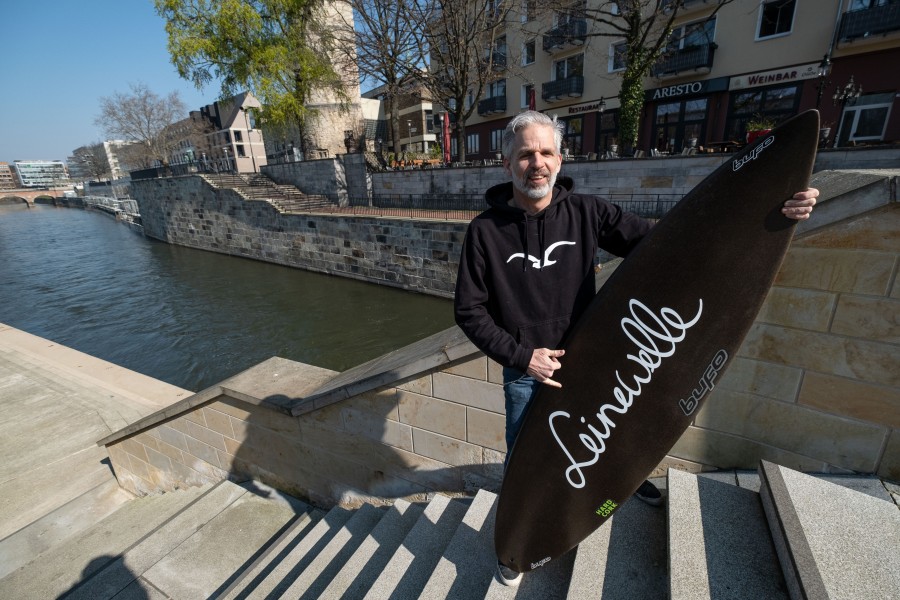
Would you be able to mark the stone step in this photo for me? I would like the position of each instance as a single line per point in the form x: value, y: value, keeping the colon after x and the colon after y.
x: 624, y: 558
x: 468, y: 563
x: 363, y: 568
x: 310, y: 584
x: 832, y: 542
x: 153, y: 549
x: 83, y: 555
x: 260, y: 568
x: 54, y: 528
x: 719, y: 542
x: 550, y: 582
x: 296, y: 555
x: 410, y: 567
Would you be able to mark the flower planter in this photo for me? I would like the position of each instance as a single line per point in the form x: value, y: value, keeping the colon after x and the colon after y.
x: 752, y: 135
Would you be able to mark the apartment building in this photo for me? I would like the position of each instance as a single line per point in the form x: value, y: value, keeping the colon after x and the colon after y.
x: 8, y: 179
x: 768, y: 59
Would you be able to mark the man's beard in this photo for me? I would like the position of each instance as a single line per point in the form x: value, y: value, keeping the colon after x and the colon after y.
x: 523, y: 184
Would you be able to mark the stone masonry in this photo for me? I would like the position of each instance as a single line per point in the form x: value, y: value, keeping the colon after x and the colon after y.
x: 415, y: 255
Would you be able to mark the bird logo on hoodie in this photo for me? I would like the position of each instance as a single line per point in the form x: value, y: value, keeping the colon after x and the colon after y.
x: 536, y: 263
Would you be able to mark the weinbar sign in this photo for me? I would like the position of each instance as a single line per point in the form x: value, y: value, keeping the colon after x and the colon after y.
x: 775, y: 76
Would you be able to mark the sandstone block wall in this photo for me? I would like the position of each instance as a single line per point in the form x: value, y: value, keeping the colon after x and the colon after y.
x: 417, y: 255
x: 442, y: 431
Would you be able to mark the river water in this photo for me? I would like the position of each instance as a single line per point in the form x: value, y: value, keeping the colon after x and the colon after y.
x: 189, y: 317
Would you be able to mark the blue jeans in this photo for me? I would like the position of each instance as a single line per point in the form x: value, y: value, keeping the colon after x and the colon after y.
x: 518, y: 390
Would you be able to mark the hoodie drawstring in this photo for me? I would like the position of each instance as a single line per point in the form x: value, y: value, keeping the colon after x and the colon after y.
x: 525, y: 244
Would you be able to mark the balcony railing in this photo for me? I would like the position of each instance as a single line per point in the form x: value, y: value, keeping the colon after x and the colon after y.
x: 572, y: 33
x: 570, y: 87
x: 489, y: 106
x: 498, y: 60
x: 867, y: 22
x: 686, y: 59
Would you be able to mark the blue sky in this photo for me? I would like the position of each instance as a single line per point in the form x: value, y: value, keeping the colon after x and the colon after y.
x: 61, y: 56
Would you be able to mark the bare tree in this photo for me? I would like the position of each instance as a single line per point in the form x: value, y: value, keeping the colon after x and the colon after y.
x: 466, y: 51
x: 90, y: 161
x: 382, y: 41
x: 144, y: 117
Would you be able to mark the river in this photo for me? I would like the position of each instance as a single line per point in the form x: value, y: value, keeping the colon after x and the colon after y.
x: 189, y: 317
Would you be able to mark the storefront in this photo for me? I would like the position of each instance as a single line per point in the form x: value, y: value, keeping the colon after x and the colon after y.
x: 680, y: 115
x: 767, y: 96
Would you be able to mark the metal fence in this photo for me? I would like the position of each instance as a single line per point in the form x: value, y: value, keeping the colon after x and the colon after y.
x: 467, y: 206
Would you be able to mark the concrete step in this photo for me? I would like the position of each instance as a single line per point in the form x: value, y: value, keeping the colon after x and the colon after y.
x: 625, y: 558
x: 155, y: 546
x: 63, y: 566
x: 310, y: 584
x: 263, y: 565
x: 362, y: 569
x: 296, y: 555
x: 467, y: 565
x: 719, y: 542
x: 832, y: 542
x: 52, y: 529
x: 410, y: 567
x: 550, y: 582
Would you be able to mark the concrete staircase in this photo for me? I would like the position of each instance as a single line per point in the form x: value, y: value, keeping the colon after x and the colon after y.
x: 830, y: 538
x: 286, y: 198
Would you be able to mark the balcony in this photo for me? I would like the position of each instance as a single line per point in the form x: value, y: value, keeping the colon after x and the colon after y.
x: 691, y: 58
x: 572, y: 33
x: 688, y: 6
x: 866, y: 22
x: 490, y: 106
x: 498, y: 60
x: 570, y: 87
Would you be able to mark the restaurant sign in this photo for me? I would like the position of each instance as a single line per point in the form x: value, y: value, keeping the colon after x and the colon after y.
x: 682, y: 90
x: 775, y: 76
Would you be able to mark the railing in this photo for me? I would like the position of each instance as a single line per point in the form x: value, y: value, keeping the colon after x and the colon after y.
x: 870, y: 21
x: 127, y: 206
x: 572, y: 87
x: 573, y: 32
x: 686, y: 59
x: 488, y: 106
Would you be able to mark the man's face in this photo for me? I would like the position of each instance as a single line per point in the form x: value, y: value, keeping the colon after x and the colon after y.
x: 533, y: 164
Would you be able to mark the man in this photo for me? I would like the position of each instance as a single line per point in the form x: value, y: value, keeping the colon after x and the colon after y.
x: 526, y: 272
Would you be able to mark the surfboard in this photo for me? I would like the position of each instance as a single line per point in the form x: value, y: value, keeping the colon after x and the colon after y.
x: 643, y: 358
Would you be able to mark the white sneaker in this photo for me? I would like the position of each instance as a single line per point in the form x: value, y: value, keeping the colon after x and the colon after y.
x: 507, y: 576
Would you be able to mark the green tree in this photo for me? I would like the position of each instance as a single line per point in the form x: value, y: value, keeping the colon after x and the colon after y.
x: 280, y: 50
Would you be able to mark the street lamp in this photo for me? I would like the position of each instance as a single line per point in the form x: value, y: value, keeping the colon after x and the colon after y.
x: 602, y: 106
x: 824, y: 71
x: 851, y: 91
x: 227, y: 161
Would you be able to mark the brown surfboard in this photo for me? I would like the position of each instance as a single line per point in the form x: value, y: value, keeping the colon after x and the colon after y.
x: 644, y: 356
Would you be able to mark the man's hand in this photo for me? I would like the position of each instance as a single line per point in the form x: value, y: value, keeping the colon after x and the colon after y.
x: 801, y: 205
x: 543, y: 364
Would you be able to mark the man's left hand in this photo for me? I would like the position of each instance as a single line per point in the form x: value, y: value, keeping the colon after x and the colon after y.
x: 801, y: 205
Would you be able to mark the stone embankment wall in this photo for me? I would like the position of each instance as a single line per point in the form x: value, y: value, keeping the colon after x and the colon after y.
x: 815, y: 387
x: 417, y: 255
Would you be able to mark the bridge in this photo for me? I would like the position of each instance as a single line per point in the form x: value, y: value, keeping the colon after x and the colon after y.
x: 31, y: 195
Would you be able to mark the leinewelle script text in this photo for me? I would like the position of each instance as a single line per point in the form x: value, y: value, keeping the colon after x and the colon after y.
x: 656, y: 337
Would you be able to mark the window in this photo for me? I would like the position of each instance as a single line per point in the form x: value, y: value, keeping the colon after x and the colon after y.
x: 618, y: 55
x: 692, y: 35
x: 497, y: 88
x: 472, y: 143
x: 238, y: 137
x: 527, y: 93
x: 240, y: 150
x: 568, y: 67
x: 528, y: 53
x: 496, y: 140
x: 572, y: 136
x: 429, y: 121
x: 776, y: 18
x: 777, y: 103
x: 864, y: 4
x: 865, y: 119
x: 529, y: 10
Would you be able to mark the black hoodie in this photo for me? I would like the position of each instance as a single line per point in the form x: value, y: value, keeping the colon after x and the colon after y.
x: 524, y: 279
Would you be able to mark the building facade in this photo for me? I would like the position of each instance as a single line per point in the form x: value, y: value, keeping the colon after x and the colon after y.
x: 8, y: 179
x: 750, y: 60
x: 41, y: 173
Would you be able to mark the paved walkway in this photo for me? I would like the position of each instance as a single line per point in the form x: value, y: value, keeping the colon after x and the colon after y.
x: 55, y: 403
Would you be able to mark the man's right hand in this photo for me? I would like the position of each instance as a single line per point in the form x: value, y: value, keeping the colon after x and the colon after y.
x: 543, y: 364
